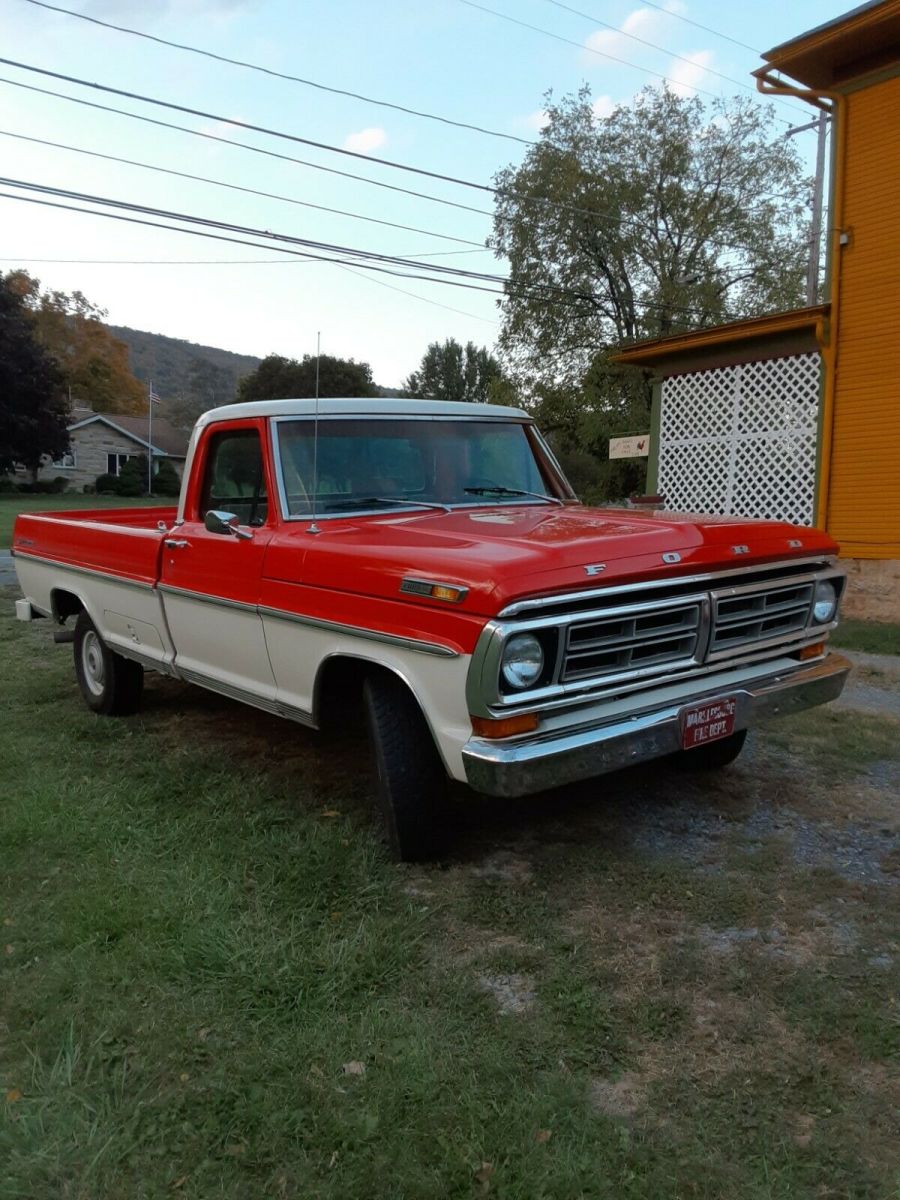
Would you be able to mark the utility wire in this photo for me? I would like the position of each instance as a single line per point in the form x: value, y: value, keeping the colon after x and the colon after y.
x: 642, y: 41
x: 236, y: 262
x: 237, y: 62
x: 209, y: 116
x: 594, y: 214
x: 589, y: 49
x: 131, y: 162
x: 706, y: 28
x: 509, y: 289
x: 212, y: 137
x: 358, y: 257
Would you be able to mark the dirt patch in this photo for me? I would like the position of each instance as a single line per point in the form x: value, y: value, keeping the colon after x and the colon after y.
x: 622, y: 1098
x: 503, y: 867
x: 514, y: 994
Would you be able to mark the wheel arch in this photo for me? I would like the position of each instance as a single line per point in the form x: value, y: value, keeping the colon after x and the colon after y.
x: 336, y: 668
x: 65, y: 603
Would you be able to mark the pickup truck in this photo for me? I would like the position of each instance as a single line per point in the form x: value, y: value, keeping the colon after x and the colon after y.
x: 430, y: 562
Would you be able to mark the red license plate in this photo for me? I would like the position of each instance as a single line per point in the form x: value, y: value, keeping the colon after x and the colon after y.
x: 704, y: 723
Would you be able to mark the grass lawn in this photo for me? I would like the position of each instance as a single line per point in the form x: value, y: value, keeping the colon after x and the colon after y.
x: 11, y: 506
x: 214, y: 984
x: 872, y: 637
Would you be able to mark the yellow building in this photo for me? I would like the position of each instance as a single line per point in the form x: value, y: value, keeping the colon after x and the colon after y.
x: 851, y: 67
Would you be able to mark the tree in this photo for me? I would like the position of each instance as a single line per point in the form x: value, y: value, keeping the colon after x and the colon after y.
x: 33, y: 410
x: 209, y: 386
x: 278, y: 378
x: 662, y: 217
x: 94, y: 364
x: 451, y: 371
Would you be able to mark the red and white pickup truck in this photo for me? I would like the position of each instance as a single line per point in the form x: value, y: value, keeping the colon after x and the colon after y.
x: 431, y: 560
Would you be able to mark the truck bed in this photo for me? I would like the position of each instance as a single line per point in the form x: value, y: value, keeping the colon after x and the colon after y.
x: 115, y: 541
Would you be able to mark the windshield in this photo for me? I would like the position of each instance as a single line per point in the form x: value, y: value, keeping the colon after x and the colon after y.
x: 364, y: 463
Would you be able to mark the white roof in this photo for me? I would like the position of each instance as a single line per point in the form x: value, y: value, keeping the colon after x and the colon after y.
x: 363, y: 406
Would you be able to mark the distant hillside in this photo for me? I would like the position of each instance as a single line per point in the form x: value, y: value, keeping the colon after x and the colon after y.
x: 189, y: 378
x: 176, y: 367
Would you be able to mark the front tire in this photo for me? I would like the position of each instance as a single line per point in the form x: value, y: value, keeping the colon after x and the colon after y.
x: 713, y: 756
x: 110, y: 684
x: 411, y: 780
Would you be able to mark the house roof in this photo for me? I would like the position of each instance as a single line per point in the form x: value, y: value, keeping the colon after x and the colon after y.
x: 167, y: 440
x: 780, y: 332
x: 863, y: 40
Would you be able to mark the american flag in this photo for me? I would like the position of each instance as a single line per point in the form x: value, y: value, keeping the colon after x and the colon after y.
x: 154, y: 398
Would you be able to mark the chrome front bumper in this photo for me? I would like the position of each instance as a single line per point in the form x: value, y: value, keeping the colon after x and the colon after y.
x: 517, y: 767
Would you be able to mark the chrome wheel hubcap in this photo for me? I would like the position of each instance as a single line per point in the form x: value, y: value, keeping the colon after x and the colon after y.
x: 92, y: 662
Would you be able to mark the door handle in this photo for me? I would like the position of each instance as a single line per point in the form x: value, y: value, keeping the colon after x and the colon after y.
x: 176, y: 543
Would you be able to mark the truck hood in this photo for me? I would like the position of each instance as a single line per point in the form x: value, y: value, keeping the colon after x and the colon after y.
x: 505, y: 553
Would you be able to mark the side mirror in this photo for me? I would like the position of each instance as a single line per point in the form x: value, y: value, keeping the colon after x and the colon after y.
x: 217, y: 521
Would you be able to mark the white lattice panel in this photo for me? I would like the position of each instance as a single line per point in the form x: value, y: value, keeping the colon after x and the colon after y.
x: 742, y: 439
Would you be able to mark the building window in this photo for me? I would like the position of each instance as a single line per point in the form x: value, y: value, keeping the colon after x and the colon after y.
x: 66, y: 462
x: 115, y: 463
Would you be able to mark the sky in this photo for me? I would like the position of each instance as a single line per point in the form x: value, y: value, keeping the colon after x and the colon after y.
x: 446, y: 57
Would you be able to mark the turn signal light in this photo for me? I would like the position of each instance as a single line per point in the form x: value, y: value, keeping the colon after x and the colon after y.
x: 436, y: 591
x: 814, y: 651
x: 501, y: 727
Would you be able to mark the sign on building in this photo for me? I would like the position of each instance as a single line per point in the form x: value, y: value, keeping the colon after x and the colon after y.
x: 630, y: 447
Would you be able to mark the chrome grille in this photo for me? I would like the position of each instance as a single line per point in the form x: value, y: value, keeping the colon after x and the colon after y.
x: 629, y: 642
x: 756, y: 616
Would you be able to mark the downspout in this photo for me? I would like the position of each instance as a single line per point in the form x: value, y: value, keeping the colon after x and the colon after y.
x: 769, y: 86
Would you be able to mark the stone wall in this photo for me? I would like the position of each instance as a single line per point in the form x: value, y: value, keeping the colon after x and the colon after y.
x: 873, y: 589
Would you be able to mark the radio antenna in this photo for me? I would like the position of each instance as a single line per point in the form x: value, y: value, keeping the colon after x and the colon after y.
x: 313, y: 527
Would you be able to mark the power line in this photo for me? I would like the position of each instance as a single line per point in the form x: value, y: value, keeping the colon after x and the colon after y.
x: 594, y: 214
x: 324, y: 251
x: 236, y: 262
x: 212, y: 137
x: 642, y: 41
x: 237, y: 62
x: 579, y: 45
x: 278, y: 133
x: 509, y: 288
x: 706, y: 28
x: 131, y: 162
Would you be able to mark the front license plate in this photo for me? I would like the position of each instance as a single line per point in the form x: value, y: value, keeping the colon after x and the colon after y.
x: 704, y: 723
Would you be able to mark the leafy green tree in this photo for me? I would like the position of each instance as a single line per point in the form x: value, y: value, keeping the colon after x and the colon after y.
x: 94, y: 364
x: 278, y: 378
x: 451, y: 371
x: 33, y: 409
x: 663, y: 217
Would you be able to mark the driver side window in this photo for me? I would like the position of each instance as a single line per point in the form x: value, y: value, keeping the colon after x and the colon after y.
x: 234, y: 480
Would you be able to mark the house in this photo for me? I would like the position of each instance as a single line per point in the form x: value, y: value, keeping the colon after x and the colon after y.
x: 101, y: 444
x: 798, y: 414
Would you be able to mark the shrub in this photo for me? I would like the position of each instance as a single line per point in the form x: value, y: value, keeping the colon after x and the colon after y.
x: 89, y: 489
x: 43, y: 487
x: 7, y: 485
x: 132, y: 479
x: 106, y: 485
x: 166, y: 481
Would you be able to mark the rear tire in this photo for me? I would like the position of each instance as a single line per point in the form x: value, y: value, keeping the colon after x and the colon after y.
x: 713, y: 756
x: 411, y: 780
x: 110, y: 684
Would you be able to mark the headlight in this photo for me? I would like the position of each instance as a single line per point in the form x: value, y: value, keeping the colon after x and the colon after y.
x: 523, y: 660
x: 825, y: 602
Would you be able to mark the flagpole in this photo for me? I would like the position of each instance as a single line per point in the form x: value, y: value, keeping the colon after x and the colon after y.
x: 150, y: 440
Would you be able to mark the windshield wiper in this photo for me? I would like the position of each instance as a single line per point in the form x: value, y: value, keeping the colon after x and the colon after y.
x: 505, y: 491
x: 361, y: 502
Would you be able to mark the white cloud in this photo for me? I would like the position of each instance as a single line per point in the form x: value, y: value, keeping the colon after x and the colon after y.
x: 536, y: 120
x: 684, y: 76
x: 640, y: 23
x: 366, y: 140
x: 603, y: 107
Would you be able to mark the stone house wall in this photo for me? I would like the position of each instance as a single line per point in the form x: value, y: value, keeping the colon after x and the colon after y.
x: 90, y: 446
